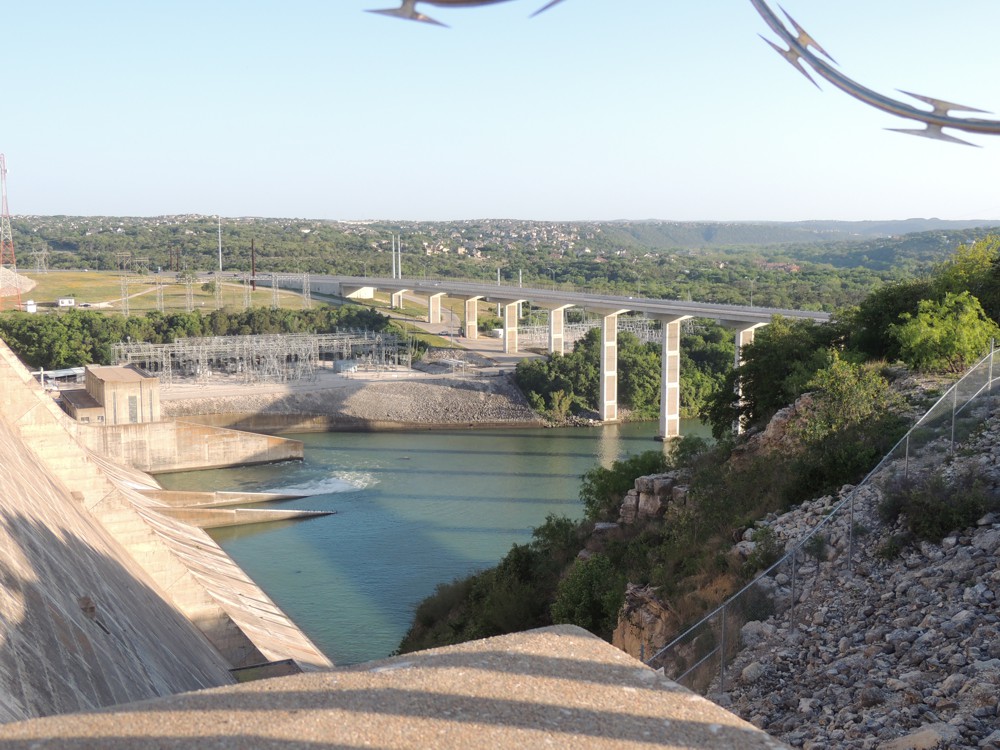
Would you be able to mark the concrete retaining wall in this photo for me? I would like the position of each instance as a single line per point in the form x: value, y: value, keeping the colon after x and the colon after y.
x: 180, y: 446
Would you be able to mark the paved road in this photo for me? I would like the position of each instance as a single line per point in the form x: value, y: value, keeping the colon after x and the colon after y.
x: 652, y: 307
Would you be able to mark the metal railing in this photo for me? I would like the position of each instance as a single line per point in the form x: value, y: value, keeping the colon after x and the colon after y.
x: 699, y: 657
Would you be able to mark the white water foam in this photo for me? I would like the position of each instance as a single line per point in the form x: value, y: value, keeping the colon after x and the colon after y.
x: 339, y: 482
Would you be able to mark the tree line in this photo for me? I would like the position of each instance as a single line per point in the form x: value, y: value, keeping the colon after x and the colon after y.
x: 763, y: 264
x: 80, y: 337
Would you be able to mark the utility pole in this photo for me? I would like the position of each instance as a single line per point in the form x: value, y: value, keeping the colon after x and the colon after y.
x: 220, y: 244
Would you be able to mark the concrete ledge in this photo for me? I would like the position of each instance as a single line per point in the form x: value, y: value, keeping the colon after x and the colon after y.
x: 188, y: 499
x: 217, y: 518
x: 555, y: 687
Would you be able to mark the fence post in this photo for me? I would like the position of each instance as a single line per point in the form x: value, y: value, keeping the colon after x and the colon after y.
x: 954, y: 413
x: 989, y: 389
x: 795, y: 567
x: 850, y: 534
x: 722, y: 654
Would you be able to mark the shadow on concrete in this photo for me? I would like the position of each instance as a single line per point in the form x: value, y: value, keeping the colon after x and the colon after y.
x: 79, y: 629
x: 553, y: 701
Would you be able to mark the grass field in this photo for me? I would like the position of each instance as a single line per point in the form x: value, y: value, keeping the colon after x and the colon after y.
x: 102, y: 289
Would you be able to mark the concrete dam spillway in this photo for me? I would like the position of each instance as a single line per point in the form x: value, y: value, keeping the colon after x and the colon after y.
x: 105, y: 600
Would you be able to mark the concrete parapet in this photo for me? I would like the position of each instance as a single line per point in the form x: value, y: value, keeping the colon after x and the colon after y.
x: 555, y: 687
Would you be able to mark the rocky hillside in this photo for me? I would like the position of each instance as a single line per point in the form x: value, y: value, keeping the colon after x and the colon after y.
x: 898, y: 653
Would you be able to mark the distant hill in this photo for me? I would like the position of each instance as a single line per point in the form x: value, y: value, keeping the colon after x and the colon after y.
x: 467, y: 247
x: 706, y: 234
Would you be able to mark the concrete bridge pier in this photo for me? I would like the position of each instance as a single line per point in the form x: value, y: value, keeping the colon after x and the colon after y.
x: 744, y: 335
x: 434, y: 307
x: 557, y: 327
x: 670, y: 377
x: 471, y: 322
x: 608, y: 406
x: 511, y: 309
x: 396, y: 299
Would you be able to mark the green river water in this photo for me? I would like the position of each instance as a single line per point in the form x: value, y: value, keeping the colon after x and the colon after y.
x: 413, y: 509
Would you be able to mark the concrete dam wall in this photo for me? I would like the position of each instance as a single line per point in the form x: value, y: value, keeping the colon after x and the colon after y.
x: 181, y: 446
x: 103, y: 600
x: 81, y: 624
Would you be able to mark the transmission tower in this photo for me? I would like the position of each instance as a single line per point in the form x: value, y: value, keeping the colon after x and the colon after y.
x: 41, y: 258
x: 123, y: 261
x: 9, y: 286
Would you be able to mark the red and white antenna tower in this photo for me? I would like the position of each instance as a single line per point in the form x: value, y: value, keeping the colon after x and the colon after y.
x: 10, y: 289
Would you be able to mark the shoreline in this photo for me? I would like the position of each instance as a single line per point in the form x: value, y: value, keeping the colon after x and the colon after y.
x: 304, y: 423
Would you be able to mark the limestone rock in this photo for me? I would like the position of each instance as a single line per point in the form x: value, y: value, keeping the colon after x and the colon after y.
x: 645, y: 622
x: 752, y: 672
x: 928, y: 738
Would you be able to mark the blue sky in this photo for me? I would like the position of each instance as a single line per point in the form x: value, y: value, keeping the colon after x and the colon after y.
x: 596, y: 109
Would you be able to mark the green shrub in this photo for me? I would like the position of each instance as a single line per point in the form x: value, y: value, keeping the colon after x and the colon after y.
x: 815, y: 547
x: 590, y: 596
x: 893, y: 547
x: 768, y: 550
x: 932, y: 508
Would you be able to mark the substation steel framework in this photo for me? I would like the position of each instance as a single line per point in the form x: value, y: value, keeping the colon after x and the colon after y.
x: 270, y: 358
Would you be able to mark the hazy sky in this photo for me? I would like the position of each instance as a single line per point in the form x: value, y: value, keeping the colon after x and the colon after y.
x: 596, y: 109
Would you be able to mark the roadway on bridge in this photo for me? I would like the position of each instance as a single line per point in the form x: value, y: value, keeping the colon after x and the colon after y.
x: 583, y: 299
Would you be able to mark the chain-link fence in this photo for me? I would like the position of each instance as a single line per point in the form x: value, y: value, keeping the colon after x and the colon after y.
x: 699, y: 657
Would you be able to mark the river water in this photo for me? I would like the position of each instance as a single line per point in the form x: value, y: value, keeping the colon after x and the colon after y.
x: 413, y: 509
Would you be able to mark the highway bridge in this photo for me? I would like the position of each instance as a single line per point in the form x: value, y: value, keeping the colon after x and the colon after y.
x: 670, y: 313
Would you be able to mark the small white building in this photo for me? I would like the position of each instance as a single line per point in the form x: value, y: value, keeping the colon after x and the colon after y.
x: 66, y: 302
x: 30, y: 306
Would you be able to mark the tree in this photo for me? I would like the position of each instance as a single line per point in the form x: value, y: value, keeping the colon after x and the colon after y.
x: 846, y: 395
x: 775, y: 371
x: 871, y: 321
x: 945, y: 336
x: 602, y: 490
x: 638, y: 375
x: 969, y: 269
x: 590, y: 596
